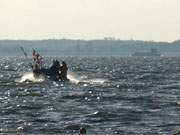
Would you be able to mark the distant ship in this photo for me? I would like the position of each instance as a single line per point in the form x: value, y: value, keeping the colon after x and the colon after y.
x: 153, y: 52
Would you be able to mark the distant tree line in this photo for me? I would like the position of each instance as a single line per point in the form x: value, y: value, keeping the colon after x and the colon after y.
x: 87, y: 47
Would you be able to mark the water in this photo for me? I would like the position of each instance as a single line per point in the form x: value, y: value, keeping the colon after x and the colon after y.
x: 107, y: 96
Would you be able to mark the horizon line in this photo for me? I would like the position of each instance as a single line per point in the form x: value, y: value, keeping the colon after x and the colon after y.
x: 105, y: 38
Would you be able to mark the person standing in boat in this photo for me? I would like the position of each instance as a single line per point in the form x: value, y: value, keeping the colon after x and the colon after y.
x: 54, y: 70
x: 37, y: 58
x: 63, y: 70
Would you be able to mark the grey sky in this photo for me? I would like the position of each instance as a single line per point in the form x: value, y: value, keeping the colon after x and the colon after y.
x: 157, y: 20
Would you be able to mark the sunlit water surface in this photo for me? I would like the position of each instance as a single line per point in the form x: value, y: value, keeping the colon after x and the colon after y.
x: 107, y: 96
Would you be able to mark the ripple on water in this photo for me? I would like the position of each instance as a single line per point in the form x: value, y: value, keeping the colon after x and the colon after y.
x: 128, y: 98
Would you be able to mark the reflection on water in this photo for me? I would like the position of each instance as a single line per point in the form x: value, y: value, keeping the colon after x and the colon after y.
x: 105, y: 95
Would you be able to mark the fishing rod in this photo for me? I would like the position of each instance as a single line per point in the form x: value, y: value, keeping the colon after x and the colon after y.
x: 26, y: 56
x: 22, y: 49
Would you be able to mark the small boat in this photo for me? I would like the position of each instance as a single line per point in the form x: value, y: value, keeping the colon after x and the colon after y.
x: 55, y: 72
x: 50, y: 74
x: 151, y: 53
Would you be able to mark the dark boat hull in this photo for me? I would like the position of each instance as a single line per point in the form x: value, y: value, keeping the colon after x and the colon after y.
x: 50, y: 74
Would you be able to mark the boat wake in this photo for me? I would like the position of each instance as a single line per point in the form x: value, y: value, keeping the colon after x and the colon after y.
x: 29, y: 77
x: 83, y: 80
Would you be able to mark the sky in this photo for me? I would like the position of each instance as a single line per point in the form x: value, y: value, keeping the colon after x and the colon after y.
x: 157, y: 20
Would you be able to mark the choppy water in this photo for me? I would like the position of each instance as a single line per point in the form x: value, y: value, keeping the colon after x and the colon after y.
x: 124, y: 96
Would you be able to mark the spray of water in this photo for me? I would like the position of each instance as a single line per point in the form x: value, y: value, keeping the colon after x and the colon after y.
x: 81, y: 79
x: 74, y: 78
x: 29, y: 76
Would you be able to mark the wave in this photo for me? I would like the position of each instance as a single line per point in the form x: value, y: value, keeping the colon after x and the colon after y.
x: 29, y: 77
x: 81, y: 79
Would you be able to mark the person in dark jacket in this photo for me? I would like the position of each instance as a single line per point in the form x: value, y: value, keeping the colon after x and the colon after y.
x: 63, y: 70
x: 54, y: 70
